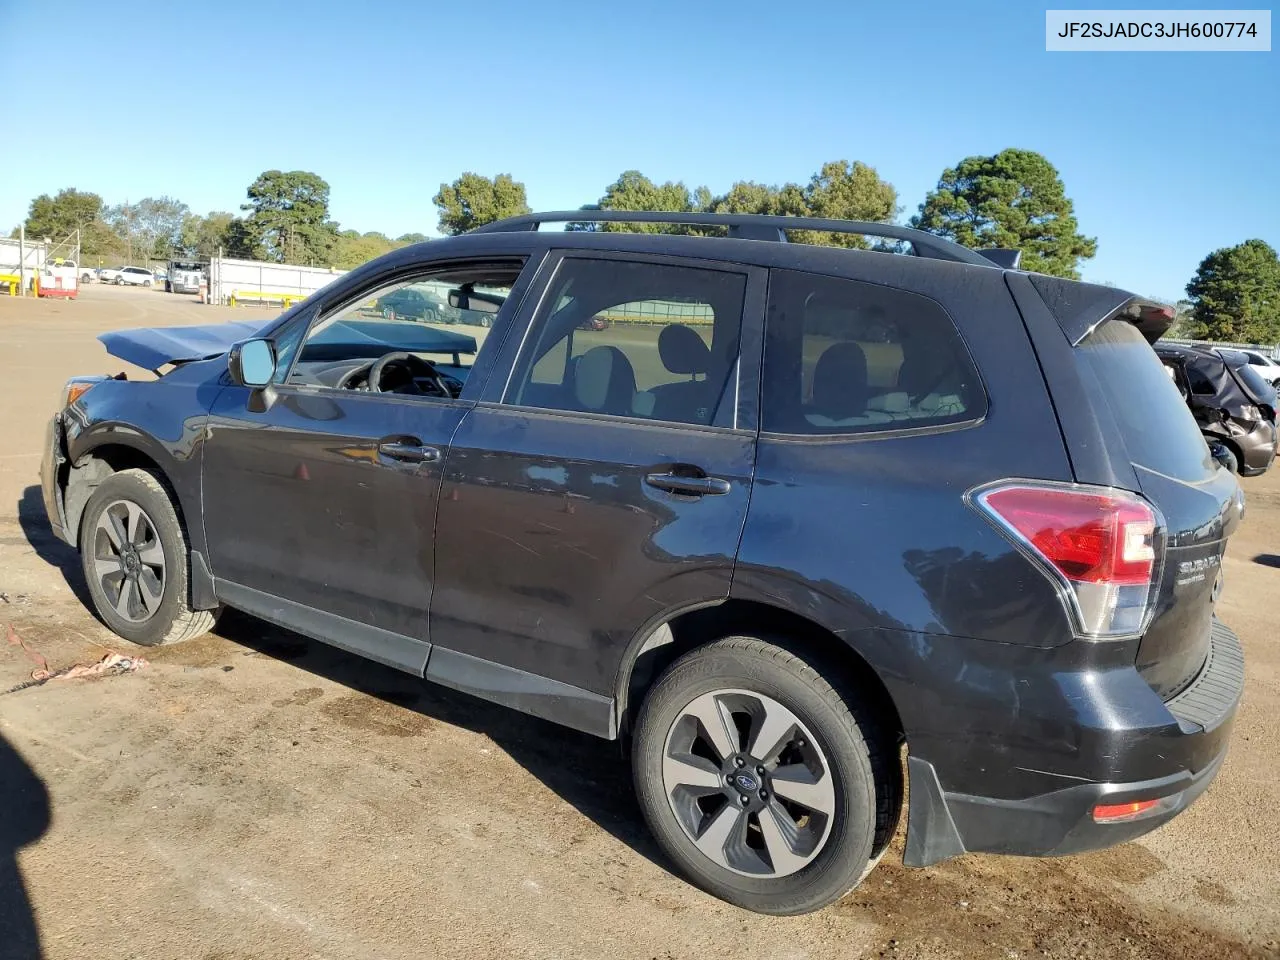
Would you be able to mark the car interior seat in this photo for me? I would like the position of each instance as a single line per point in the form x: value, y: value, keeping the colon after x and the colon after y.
x: 684, y: 353
x: 605, y: 382
x: 840, y: 386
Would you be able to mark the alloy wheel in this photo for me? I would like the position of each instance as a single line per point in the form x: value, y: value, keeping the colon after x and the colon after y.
x: 128, y: 561
x: 748, y: 783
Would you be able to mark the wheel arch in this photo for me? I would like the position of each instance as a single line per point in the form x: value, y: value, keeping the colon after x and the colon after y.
x: 657, y: 645
x: 98, y: 457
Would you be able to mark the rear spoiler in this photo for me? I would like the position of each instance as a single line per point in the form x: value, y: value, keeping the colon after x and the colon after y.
x: 1009, y: 259
x: 1080, y: 308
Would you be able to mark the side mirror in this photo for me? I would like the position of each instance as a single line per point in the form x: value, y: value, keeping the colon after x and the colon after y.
x: 252, y: 363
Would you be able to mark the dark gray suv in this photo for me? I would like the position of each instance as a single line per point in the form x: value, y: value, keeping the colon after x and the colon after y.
x: 784, y: 515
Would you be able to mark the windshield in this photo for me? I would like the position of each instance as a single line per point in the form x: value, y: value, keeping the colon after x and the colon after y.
x: 1158, y: 429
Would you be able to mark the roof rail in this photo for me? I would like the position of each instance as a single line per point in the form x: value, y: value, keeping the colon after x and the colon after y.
x: 752, y: 226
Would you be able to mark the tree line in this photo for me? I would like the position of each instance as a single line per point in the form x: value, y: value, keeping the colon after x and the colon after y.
x: 285, y: 219
x: 1013, y: 199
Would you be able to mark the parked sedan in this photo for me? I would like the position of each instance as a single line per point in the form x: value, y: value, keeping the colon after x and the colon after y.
x: 1233, y: 405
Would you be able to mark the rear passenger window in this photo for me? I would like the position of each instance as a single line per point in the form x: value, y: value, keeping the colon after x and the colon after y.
x: 1200, y: 383
x: 842, y: 356
x: 634, y: 339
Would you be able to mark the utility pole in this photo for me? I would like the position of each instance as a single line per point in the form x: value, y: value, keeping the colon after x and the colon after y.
x: 22, y: 259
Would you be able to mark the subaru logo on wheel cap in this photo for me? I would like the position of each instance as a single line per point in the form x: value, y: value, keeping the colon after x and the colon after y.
x: 745, y: 781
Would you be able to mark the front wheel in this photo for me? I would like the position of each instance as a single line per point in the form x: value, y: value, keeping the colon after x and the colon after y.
x: 765, y: 786
x: 146, y: 283
x: 135, y: 558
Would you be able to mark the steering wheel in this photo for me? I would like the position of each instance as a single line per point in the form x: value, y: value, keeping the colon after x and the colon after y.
x: 395, y: 372
x: 398, y: 372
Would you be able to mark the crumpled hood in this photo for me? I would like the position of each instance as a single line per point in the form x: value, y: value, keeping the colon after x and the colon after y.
x: 153, y: 347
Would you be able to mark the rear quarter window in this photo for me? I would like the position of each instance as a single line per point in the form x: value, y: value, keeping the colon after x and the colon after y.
x: 844, y: 357
x: 1158, y: 429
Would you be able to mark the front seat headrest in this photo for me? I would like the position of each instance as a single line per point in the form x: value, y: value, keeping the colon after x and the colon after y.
x: 840, y: 386
x: 682, y: 350
x: 604, y: 381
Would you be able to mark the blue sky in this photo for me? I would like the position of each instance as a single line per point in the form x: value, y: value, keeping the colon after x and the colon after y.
x: 1167, y: 156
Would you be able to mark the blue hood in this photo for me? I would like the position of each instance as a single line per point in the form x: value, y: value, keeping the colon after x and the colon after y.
x: 153, y: 347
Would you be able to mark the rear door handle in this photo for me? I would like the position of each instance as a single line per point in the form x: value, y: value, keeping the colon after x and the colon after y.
x: 688, y: 486
x: 408, y: 451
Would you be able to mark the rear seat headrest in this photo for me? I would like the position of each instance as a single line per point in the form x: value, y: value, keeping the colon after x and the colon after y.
x: 840, y: 381
x: 682, y: 350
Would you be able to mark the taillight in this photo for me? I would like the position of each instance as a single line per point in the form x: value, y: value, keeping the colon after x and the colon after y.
x: 1103, y: 548
x: 1136, y: 810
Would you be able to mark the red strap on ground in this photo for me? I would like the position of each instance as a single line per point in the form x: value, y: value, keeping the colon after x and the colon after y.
x: 36, y: 657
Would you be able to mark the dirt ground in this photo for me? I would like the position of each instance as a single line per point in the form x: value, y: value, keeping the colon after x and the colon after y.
x: 256, y: 795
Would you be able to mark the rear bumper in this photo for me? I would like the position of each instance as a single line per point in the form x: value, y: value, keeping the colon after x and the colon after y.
x: 945, y: 824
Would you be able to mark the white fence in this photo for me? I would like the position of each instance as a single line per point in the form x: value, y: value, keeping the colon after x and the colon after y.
x: 247, y: 279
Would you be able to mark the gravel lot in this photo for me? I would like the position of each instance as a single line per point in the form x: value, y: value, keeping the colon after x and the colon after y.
x: 256, y: 795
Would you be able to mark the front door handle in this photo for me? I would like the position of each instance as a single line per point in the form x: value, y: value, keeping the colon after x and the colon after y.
x: 688, y: 486
x: 408, y: 451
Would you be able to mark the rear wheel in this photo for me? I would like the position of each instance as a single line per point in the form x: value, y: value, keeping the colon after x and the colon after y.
x: 146, y: 283
x: 767, y: 787
x: 135, y: 558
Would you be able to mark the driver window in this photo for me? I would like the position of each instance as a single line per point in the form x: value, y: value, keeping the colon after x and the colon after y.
x: 416, y: 336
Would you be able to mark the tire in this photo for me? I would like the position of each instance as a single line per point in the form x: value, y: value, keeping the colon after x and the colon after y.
x: 832, y: 733
x: 1231, y: 460
x: 486, y: 321
x: 146, y: 283
x: 158, y: 566
x: 119, y: 281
